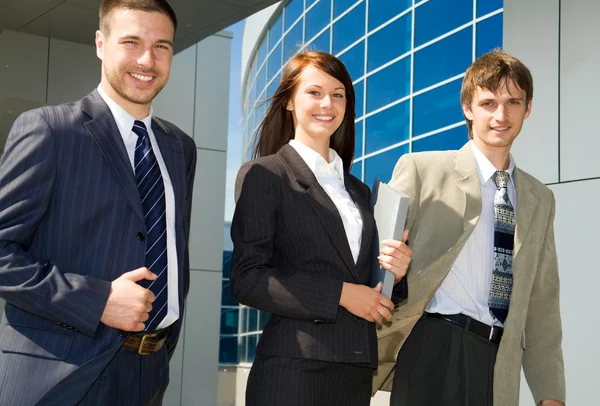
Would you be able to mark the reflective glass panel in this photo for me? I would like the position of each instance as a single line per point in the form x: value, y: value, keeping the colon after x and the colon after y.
x: 437, y: 108
x: 359, y: 91
x: 358, y: 145
x: 388, y: 127
x: 489, y: 34
x: 226, y: 296
x: 437, y: 17
x: 228, y: 350
x: 487, y: 6
x: 381, y: 11
x: 275, y: 32
x: 349, y: 28
x: 444, y: 59
x: 317, y: 18
x: 447, y: 140
x: 274, y: 62
x: 229, y: 321
x: 321, y: 43
x: 356, y: 170
x: 292, y: 42
x: 388, y: 85
x: 293, y: 9
x: 390, y: 42
x: 354, y: 59
x: 382, y: 165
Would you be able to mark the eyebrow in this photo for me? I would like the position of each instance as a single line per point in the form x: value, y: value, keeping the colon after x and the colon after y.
x: 321, y: 87
x: 135, y: 37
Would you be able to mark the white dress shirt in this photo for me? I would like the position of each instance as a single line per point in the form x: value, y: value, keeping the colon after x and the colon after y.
x: 466, y: 288
x: 330, y: 176
x: 124, y: 122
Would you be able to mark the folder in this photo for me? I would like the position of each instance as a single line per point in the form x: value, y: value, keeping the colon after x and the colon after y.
x: 390, y: 208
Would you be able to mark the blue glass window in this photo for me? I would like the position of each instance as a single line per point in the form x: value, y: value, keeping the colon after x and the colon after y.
x: 444, y: 141
x: 321, y: 43
x: 243, y: 349
x: 382, y: 165
x: 388, y: 85
x: 437, y: 17
x: 443, y: 59
x: 273, y: 87
x: 261, y: 80
x: 356, y: 170
x: 381, y: 11
x: 390, y: 42
x: 292, y: 42
x: 388, y: 127
x: 349, y: 29
x: 228, y: 350
x: 437, y: 108
x: 226, y: 264
x: 252, y: 341
x: 317, y: 18
x: 487, y: 6
x: 226, y: 296
x: 359, y: 91
x: 229, y: 321
x: 262, y: 51
x: 293, y: 10
x: 354, y: 59
x: 339, y: 6
x: 252, y: 319
x: 275, y: 32
x: 309, y: 2
x: 274, y: 62
x: 358, y: 127
x: 263, y: 318
x: 489, y: 34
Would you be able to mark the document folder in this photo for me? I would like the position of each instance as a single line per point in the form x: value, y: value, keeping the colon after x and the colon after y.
x: 390, y: 208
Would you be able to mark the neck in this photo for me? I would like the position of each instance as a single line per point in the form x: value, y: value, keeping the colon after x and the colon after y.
x: 498, y: 156
x: 319, y: 145
x: 137, y: 111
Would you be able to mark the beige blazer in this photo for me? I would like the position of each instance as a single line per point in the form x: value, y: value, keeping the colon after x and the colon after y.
x: 445, y: 205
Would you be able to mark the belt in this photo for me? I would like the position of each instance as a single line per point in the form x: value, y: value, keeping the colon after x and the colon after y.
x: 146, y: 343
x: 491, y: 333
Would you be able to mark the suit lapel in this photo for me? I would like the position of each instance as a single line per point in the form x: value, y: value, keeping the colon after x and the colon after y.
x: 526, y: 205
x: 106, y: 133
x: 367, y: 219
x: 321, y: 204
x: 468, y: 183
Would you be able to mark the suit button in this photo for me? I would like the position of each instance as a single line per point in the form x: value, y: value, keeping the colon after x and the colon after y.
x: 318, y: 321
x: 356, y: 318
x: 141, y: 236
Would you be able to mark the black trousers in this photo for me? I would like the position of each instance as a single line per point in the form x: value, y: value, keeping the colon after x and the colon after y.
x: 441, y: 364
x: 280, y: 381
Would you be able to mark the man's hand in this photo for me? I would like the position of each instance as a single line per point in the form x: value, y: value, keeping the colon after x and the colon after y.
x: 367, y: 303
x: 396, y: 256
x: 551, y: 403
x: 128, y: 303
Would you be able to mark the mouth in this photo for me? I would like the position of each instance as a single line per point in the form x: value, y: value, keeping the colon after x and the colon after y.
x: 324, y: 118
x: 142, y: 79
x: 500, y: 130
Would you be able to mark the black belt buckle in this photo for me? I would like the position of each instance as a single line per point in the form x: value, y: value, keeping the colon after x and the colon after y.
x: 495, y: 334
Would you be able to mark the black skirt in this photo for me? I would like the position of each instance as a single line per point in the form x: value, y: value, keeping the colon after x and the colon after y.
x: 279, y: 381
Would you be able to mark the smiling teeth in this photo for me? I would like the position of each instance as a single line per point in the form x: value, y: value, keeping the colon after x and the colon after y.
x: 324, y: 118
x: 142, y: 78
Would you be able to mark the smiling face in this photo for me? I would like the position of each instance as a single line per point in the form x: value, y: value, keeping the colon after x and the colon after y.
x: 497, y: 118
x: 136, y: 57
x: 318, y: 104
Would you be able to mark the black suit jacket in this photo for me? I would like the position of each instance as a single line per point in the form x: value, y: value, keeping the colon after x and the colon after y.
x: 291, y: 257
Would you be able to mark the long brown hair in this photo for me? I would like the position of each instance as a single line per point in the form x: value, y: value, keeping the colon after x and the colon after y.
x: 277, y: 126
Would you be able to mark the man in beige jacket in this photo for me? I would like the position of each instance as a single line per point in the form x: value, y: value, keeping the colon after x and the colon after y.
x: 483, y: 282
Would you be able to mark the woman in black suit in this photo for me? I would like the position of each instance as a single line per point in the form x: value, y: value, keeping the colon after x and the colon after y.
x: 302, y: 231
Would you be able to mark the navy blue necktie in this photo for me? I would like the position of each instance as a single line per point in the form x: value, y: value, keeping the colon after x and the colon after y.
x: 152, y: 194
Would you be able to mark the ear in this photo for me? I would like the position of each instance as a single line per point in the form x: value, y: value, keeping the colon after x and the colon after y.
x: 290, y: 105
x: 467, y: 112
x: 100, y: 45
x: 528, y: 109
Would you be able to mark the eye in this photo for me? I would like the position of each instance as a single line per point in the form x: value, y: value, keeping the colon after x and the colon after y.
x: 338, y: 95
x: 487, y: 104
x: 313, y: 92
x: 515, y: 102
x: 165, y: 47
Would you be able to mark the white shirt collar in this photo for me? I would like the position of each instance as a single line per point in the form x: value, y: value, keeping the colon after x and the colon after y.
x: 122, y: 117
x: 316, y: 162
x: 485, y: 168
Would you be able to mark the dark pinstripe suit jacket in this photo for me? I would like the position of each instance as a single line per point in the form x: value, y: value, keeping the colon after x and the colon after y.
x: 70, y: 214
x: 291, y: 256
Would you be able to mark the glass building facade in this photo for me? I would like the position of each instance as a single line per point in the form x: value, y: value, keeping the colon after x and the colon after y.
x: 406, y: 58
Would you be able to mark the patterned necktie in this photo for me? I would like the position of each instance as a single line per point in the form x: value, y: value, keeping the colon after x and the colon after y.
x: 152, y: 194
x: 504, y: 232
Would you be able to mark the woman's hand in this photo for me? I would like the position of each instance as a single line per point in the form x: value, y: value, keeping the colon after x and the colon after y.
x: 396, y: 256
x: 366, y: 303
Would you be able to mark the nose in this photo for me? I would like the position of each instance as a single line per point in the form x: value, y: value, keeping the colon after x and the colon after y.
x: 146, y: 59
x: 500, y: 114
x: 325, y: 102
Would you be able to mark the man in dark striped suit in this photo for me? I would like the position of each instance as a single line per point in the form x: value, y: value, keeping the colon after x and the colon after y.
x: 95, y: 202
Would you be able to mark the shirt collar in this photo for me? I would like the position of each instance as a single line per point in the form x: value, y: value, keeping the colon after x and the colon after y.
x: 317, y: 164
x: 122, y: 117
x: 486, y: 169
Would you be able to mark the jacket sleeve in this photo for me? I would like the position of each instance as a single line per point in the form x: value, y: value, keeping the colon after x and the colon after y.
x: 28, y: 171
x: 255, y: 281
x: 542, y: 357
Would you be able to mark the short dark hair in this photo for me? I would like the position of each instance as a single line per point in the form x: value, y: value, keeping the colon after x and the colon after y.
x: 277, y: 126
x: 491, y: 71
x: 160, y: 6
